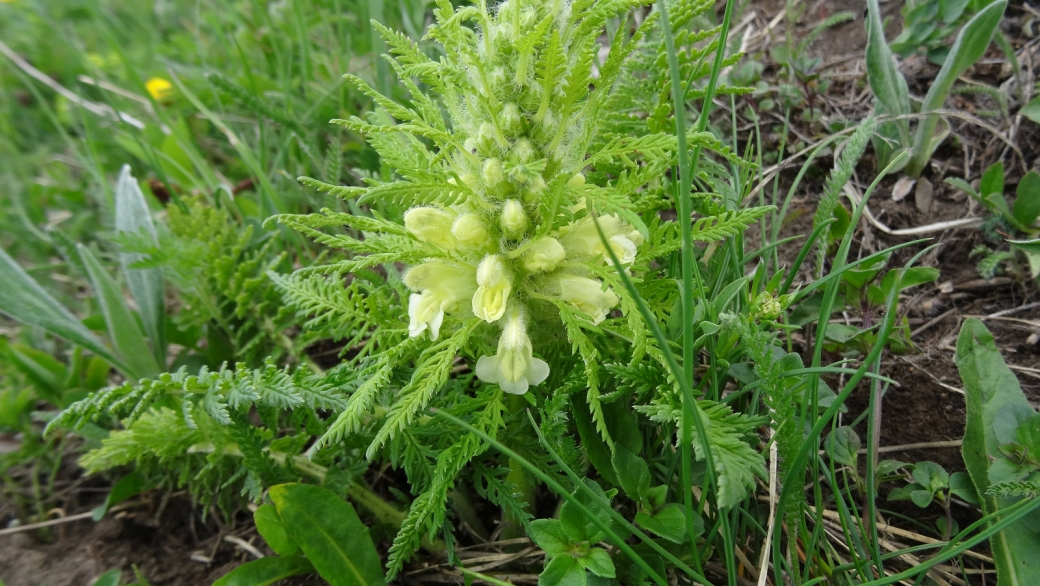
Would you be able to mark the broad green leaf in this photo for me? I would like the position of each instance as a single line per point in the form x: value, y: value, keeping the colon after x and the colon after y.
x: 24, y: 300
x: 130, y: 485
x: 549, y: 535
x: 951, y: 10
x: 110, y: 578
x: 931, y: 476
x: 905, y: 278
x: 669, y: 523
x: 330, y: 533
x: 1030, y: 246
x: 45, y: 373
x: 963, y: 186
x: 596, y: 449
x: 970, y: 44
x: 843, y: 445
x: 998, y: 205
x: 598, y: 562
x: 632, y: 472
x: 885, y: 79
x: 1028, y: 435
x: 1032, y: 110
x: 1027, y: 201
x: 126, y: 335
x: 886, y: 467
x: 921, y: 498
x: 146, y: 285
x: 576, y: 525
x: 993, y: 179
x: 269, y: 524
x: 265, y: 571
x: 562, y: 570
x: 990, y: 386
x: 961, y: 487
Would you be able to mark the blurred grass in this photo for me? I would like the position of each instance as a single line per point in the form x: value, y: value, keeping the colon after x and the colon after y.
x: 251, y: 88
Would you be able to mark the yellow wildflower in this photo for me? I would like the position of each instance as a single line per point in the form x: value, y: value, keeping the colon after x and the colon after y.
x: 158, y: 88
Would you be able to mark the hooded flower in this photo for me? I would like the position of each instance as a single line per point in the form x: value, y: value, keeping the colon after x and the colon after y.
x: 586, y: 295
x: 582, y: 241
x: 471, y: 231
x: 442, y: 286
x: 543, y: 255
x: 494, y: 285
x: 513, y: 367
x: 431, y: 225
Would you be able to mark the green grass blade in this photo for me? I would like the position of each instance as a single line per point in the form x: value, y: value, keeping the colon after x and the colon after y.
x: 971, y: 43
x: 146, y: 285
x: 24, y: 300
x: 126, y: 336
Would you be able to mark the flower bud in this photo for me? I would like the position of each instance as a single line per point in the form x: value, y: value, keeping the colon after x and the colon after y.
x: 492, y: 173
x: 528, y: 17
x: 510, y: 119
x: 534, y: 190
x: 499, y: 78
x: 494, y: 285
x: 523, y: 150
x: 470, y: 180
x: 430, y: 225
x: 543, y: 255
x: 576, y: 181
x: 586, y: 295
x: 486, y: 136
x: 514, y: 218
x: 471, y: 231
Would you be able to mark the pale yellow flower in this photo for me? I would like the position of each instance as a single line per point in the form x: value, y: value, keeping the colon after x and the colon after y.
x: 582, y: 241
x: 513, y: 367
x: 471, y: 231
x: 543, y: 255
x: 158, y: 88
x: 494, y: 285
x: 586, y: 295
x: 442, y: 286
x: 431, y: 225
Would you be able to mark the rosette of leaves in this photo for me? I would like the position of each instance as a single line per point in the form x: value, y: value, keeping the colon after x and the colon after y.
x: 494, y: 220
x: 503, y: 236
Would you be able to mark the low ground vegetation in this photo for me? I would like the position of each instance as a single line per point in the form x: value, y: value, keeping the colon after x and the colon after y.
x: 587, y: 292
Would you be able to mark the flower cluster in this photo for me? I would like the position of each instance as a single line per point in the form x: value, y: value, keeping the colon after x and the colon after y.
x: 518, y: 234
x: 493, y: 266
